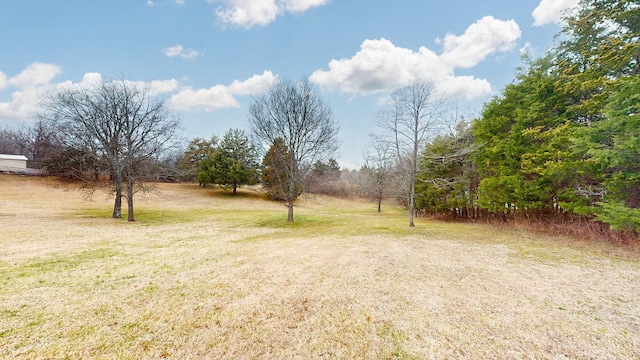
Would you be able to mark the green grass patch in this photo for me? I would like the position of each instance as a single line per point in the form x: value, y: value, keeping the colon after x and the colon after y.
x: 60, y: 263
x: 278, y: 220
x: 151, y: 216
x: 242, y: 193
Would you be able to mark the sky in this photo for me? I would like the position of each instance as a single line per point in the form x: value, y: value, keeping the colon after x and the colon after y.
x: 209, y: 58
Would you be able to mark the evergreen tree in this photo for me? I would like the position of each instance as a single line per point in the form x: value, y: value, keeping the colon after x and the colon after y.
x: 448, y: 181
x: 234, y: 163
x: 612, y: 146
x: 564, y: 136
x: 601, y: 41
x: 523, y: 140
x: 275, y: 176
x: 197, y: 150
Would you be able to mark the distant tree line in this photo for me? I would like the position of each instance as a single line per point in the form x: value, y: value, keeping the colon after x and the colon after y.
x: 295, y: 131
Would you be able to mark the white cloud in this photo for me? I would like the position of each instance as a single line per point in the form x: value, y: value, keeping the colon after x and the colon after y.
x: 479, y: 40
x: 157, y: 87
x: 552, y: 11
x: 88, y: 80
x: 179, y: 50
x: 21, y: 104
x: 35, y: 80
x: 30, y: 84
x: 254, y: 85
x: 303, y: 5
x: 213, y: 98
x: 220, y: 96
x: 35, y: 74
x: 173, y: 50
x: 464, y: 86
x: 381, y: 66
x: 249, y: 13
x: 527, y: 49
x: 180, y: 2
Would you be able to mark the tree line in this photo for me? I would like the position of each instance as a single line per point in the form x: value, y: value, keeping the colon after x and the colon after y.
x: 116, y: 135
x: 561, y: 140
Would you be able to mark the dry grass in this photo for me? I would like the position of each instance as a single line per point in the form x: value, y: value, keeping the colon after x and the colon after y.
x: 206, y: 275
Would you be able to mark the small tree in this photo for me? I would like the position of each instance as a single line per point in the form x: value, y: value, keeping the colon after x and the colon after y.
x: 294, y: 113
x: 378, y: 170
x: 408, y: 121
x: 234, y: 163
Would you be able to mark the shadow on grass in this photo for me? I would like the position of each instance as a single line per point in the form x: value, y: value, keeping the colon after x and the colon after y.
x: 241, y: 193
x: 148, y: 216
x: 278, y: 220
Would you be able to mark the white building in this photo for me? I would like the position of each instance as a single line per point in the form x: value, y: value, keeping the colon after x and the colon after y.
x: 13, y: 161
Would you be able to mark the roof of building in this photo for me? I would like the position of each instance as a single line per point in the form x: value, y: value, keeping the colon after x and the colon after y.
x: 13, y: 157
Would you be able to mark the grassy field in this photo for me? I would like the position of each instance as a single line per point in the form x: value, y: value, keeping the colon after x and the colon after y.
x: 206, y: 275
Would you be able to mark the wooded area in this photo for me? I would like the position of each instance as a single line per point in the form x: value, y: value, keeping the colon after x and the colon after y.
x: 563, y: 138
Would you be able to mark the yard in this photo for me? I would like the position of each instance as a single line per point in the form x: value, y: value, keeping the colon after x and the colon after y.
x: 206, y: 275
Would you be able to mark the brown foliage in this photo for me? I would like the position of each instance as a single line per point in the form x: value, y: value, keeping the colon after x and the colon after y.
x: 571, y: 225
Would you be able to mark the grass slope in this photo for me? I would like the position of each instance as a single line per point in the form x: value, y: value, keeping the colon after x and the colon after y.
x: 203, y: 274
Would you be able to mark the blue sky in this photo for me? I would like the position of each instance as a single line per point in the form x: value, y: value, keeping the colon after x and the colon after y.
x: 209, y: 57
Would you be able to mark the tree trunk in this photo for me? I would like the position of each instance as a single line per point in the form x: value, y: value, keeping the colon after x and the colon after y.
x: 117, y: 206
x: 234, y: 189
x: 412, y: 195
x: 130, y: 216
x: 290, y: 214
x: 379, y: 205
x: 292, y: 195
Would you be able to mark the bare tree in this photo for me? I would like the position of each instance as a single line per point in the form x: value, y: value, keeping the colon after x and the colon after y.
x: 379, y: 162
x: 411, y: 118
x: 324, y: 179
x: 40, y: 142
x: 35, y: 141
x: 296, y: 114
x: 117, y: 128
x: 10, y: 142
